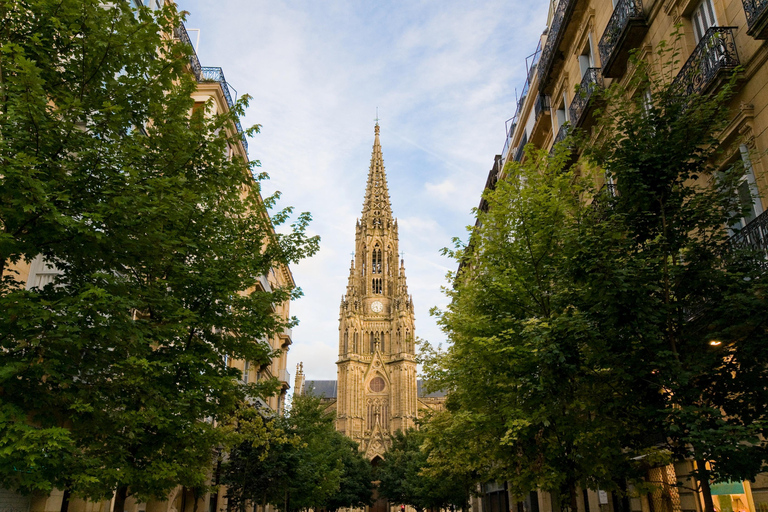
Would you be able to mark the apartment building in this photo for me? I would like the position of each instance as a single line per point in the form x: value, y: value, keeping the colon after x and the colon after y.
x: 212, y: 87
x: 587, y: 45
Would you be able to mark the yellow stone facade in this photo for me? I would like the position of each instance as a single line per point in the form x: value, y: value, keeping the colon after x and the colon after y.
x: 587, y: 43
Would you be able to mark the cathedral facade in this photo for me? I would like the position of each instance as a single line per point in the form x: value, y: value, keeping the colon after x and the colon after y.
x: 376, y: 392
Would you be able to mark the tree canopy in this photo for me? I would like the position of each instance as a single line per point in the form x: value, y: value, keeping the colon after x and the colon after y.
x: 594, y: 334
x: 308, y: 464
x: 115, y: 375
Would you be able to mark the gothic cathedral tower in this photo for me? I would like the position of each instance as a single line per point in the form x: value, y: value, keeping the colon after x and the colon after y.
x: 376, y: 370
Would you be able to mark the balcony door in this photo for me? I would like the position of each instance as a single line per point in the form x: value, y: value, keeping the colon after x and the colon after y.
x: 703, y: 19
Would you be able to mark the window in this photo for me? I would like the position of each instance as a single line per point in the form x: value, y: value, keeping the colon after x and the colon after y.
x: 586, y: 59
x: 747, y: 192
x: 246, y: 371
x: 702, y: 19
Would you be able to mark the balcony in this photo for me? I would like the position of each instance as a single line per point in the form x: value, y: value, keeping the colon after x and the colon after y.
x: 562, y: 133
x: 754, y: 236
x: 208, y: 74
x: 213, y: 74
x: 181, y: 34
x: 284, y: 376
x: 757, y: 18
x: 581, y: 105
x: 710, y: 63
x: 555, y: 34
x: 625, y: 31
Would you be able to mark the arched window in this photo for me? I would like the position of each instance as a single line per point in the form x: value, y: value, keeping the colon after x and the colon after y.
x: 354, y: 345
x: 346, y: 341
x: 376, y: 260
x: 373, y: 343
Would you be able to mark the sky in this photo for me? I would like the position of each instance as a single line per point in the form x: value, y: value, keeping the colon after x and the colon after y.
x: 443, y: 75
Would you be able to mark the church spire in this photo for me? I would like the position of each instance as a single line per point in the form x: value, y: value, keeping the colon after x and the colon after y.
x: 376, y: 207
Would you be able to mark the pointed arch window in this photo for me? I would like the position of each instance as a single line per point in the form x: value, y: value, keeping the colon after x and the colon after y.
x: 376, y: 260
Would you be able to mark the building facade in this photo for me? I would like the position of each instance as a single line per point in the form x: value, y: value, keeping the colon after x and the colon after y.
x: 212, y: 87
x: 587, y: 45
x: 376, y: 392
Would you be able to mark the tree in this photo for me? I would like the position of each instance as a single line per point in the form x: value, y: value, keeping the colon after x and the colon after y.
x: 593, y: 334
x: 114, y: 376
x: 525, y: 396
x: 306, y: 464
x: 403, y: 476
x: 681, y: 305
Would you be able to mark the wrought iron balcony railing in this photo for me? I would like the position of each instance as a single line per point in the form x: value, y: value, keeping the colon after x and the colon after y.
x: 562, y: 15
x: 590, y: 82
x: 625, y: 29
x: 214, y: 74
x: 754, y: 236
x: 715, y: 53
x: 562, y: 133
x: 208, y: 74
x: 181, y: 34
x: 757, y: 18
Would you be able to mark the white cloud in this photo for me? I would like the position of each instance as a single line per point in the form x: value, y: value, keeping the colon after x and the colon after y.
x: 443, y: 75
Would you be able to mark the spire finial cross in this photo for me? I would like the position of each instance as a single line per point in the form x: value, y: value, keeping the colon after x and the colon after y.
x: 377, y: 116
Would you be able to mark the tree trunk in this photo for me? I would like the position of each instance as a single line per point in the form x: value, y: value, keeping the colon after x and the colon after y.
x: 120, y: 497
x: 706, y: 492
x: 65, y: 500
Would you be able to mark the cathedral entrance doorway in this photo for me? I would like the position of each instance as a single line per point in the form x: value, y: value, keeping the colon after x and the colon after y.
x: 379, y: 504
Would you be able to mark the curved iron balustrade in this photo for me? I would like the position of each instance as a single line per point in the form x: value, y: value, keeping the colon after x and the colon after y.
x: 715, y: 52
x: 625, y: 11
x: 591, y: 80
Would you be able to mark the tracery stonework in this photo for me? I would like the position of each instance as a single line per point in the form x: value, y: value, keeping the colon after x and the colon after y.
x: 376, y: 392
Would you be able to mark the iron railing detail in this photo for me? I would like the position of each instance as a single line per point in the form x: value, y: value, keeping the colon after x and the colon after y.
x: 624, y: 12
x: 214, y: 74
x: 754, y: 9
x: 562, y: 14
x: 180, y: 33
x: 754, y: 235
x: 715, y: 52
x: 590, y: 82
x: 208, y: 74
x: 562, y: 133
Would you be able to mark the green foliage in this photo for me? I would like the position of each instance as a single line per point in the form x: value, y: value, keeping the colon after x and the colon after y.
x: 114, y: 375
x: 304, y: 463
x: 580, y: 322
x: 404, y: 479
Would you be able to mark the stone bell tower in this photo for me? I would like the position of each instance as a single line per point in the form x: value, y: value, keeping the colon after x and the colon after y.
x: 377, y: 392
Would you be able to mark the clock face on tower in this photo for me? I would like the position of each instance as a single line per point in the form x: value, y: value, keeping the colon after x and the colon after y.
x: 377, y: 307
